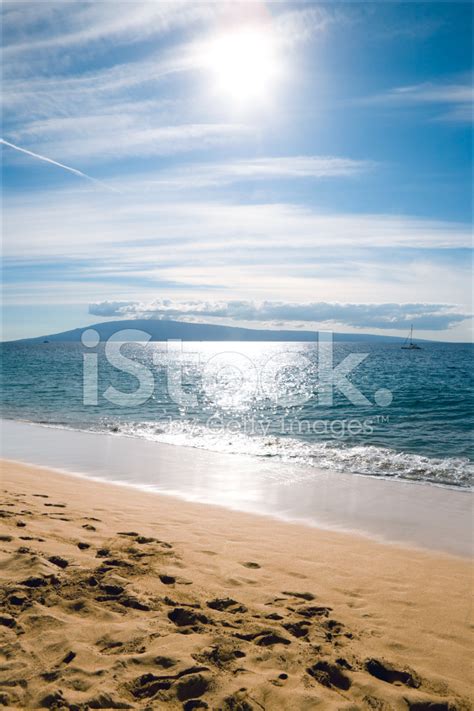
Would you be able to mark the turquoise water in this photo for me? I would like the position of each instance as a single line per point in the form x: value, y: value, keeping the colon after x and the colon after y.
x: 416, y: 421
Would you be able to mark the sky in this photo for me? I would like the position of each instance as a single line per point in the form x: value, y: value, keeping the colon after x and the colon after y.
x: 266, y: 164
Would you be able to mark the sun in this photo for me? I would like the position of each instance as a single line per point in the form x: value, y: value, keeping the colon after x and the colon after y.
x: 244, y: 65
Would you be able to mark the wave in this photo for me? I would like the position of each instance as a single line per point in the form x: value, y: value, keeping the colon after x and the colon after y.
x: 369, y: 460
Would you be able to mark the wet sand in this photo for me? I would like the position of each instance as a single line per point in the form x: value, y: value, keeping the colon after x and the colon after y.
x: 387, y: 509
x: 118, y: 598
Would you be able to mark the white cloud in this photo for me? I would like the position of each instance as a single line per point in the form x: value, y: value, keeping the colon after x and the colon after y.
x: 75, y: 23
x: 205, y: 229
x: 299, y: 25
x: 72, y: 94
x: 140, y: 244
x: 265, y: 168
x: 456, y: 96
x: 72, y: 24
x: 381, y: 316
x: 47, y: 87
x: 69, y: 114
x: 146, y: 216
x: 115, y: 140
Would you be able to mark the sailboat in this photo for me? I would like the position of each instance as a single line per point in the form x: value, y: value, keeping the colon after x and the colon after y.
x: 408, y: 344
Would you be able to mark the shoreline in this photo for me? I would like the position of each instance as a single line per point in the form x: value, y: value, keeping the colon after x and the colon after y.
x: 328, y: 595
x: 179, y: 499
x: 251, y: 456
x: 388, y: 510
x: 279, y: 458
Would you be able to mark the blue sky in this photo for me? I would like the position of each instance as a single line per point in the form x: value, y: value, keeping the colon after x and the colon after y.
x: 296, y: 164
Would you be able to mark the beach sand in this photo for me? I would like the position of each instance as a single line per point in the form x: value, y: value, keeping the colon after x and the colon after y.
x: 117, y: 598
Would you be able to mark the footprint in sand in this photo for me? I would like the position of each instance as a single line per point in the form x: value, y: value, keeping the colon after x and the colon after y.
x: 310, y: 611
x: 274, y: 616
x: 184, y: 618
x: 7, y: 621
x: 429, y: 705
x: 388, y: 673
x: 226, y: 605
x: 268, y: 640
x: 195, y: 705
x: 330, y: 675
x: 173, y: 580
x: 31, y: 538
x: 280, y: 680
x: 167, y: 579
x: 300, y: 595
x: 298, y: 629
x: 68, y: 658
x: 59, y: 561
x: 263, y: 638
x: 103, y: 553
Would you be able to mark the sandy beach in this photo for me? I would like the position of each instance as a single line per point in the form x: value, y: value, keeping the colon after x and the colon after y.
x: 118, y: 598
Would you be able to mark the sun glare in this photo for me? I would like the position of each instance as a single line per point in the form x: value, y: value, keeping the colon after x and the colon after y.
x: 244, y: 64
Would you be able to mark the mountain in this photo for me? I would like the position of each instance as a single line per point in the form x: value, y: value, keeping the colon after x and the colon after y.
x: 164, y: 330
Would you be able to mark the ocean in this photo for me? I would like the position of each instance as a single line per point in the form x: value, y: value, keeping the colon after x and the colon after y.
x: 387, y: 412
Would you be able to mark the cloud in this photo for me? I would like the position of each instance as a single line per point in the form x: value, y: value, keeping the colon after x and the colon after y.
x: 380, y: 316
x: 78, y: 23
x: 46, y: 89
x: 75, y: 171
x: 66, y: 91
x: 265, y: 249
x: 457, y: 97
x: 115, y: 139
x: 56, y: 26
x: 124, y: 129
x: 265, y: 168
x: 208, y: 232
x: 299, y: 25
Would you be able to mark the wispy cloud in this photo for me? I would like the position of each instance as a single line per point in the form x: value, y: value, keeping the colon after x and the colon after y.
x: 70, y: 113
x: 86, y: 24
x: 254, y: 169
x: 116, y: 138
x: 456, y: 98
x: 298, y: 25
x: 75, y: 171
x: 44, y: 87
x: 78, y: 23
x: 381, y: 316
x: 64, y: 94
x: 147, y: 244
x: 202, y: 228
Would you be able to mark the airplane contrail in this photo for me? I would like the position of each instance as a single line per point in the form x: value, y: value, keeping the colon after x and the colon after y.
x: 60, y: 165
